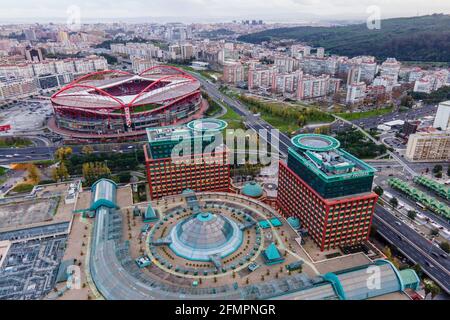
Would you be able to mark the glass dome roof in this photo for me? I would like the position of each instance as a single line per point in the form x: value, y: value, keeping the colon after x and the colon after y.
x: 252, y: 189
x: 205, y: 234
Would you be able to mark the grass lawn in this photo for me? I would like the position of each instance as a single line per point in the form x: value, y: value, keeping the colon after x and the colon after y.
x: 284, y: 125
x: 365, y: 114
x: 2, y: 175
x: 234, y: 120
x: 285, y: 116
x: 213, y: 108
x: 23, y: 188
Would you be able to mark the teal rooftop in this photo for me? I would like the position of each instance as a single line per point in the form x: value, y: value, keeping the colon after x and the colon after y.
x: 322, y: 155
x: 150, y: 214
x: 252, y: 189
x: 272, y: 255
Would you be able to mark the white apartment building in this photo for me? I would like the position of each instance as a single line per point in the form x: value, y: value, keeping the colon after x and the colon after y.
x: 311, y: 87
x: 390, y: 67
x: 367, y: 65
x: 320, y: 52
x: 429, y: 146
x: 182, y: 51
x: 33, y: 69
x: 319, y: 66
x: 431, y: 81
x: 356, y: 92
x: 142, y: 50
x: 442, y: 119
x: 286, y: 82
x: 299, y: 51
x: 388, y: 81
x: 139, y: 65
x: 286, y: 64
x: 261, y: 77
x: 15, y: 89
x: 233, y: 72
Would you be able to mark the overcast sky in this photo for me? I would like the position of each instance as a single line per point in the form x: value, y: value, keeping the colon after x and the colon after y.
x: 208, y: 10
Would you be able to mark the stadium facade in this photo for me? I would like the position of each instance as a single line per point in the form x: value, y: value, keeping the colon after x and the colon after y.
x: 328, y: 189
x: 116, y: 105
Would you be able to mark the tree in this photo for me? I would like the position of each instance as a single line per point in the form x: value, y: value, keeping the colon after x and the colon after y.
x: 322, y: 130
x: 412, y: 214
x: 418, y: 269
x: 93, y: 171
x: 434, y: 232
x: 63, y: 171
x: 437, y: 168
x: 378, y: 190
x: 87, y: 150
x: 407, y: 101
x: 33, y: 173
x: 445, y: 246
x: 63, y: 153
x: 60, y: 173
x: 431, y: 287
x: 394, y: 202
x: 373, y: 230
x: 55, y: 174
x: 389, y: 256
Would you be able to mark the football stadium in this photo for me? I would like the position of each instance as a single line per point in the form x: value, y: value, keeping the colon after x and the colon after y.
x: 116, y: 105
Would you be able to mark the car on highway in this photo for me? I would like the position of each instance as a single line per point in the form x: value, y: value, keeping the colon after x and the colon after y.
x: 429, y: 264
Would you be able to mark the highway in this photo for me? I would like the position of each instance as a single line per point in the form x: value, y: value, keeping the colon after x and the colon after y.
x: 415, y: 247
x: 253, y: 122
x: 38, y: 153
x: 15, y: 155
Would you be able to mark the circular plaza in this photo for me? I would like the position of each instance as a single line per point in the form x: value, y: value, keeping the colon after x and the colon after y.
x: 205, y: 235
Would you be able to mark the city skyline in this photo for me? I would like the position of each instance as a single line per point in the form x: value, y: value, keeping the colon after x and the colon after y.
x: 207, y: 150
x: 298, y: 11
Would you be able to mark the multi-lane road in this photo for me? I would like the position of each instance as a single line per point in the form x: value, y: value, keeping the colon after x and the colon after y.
x: 415, y: 247
x: 38, y: 153
x: 252, y: 122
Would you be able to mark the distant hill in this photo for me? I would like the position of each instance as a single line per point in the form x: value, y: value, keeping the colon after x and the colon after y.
x: 425, y: 38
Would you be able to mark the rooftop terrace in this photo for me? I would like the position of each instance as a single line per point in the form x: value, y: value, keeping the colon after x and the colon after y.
x: 322, y: 155
x: 169, y: 133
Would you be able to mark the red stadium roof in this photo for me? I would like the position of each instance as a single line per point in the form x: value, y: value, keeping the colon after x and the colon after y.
x: 113, y: 89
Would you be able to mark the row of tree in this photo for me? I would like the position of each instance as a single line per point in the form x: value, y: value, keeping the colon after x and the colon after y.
x: 302, y: 115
